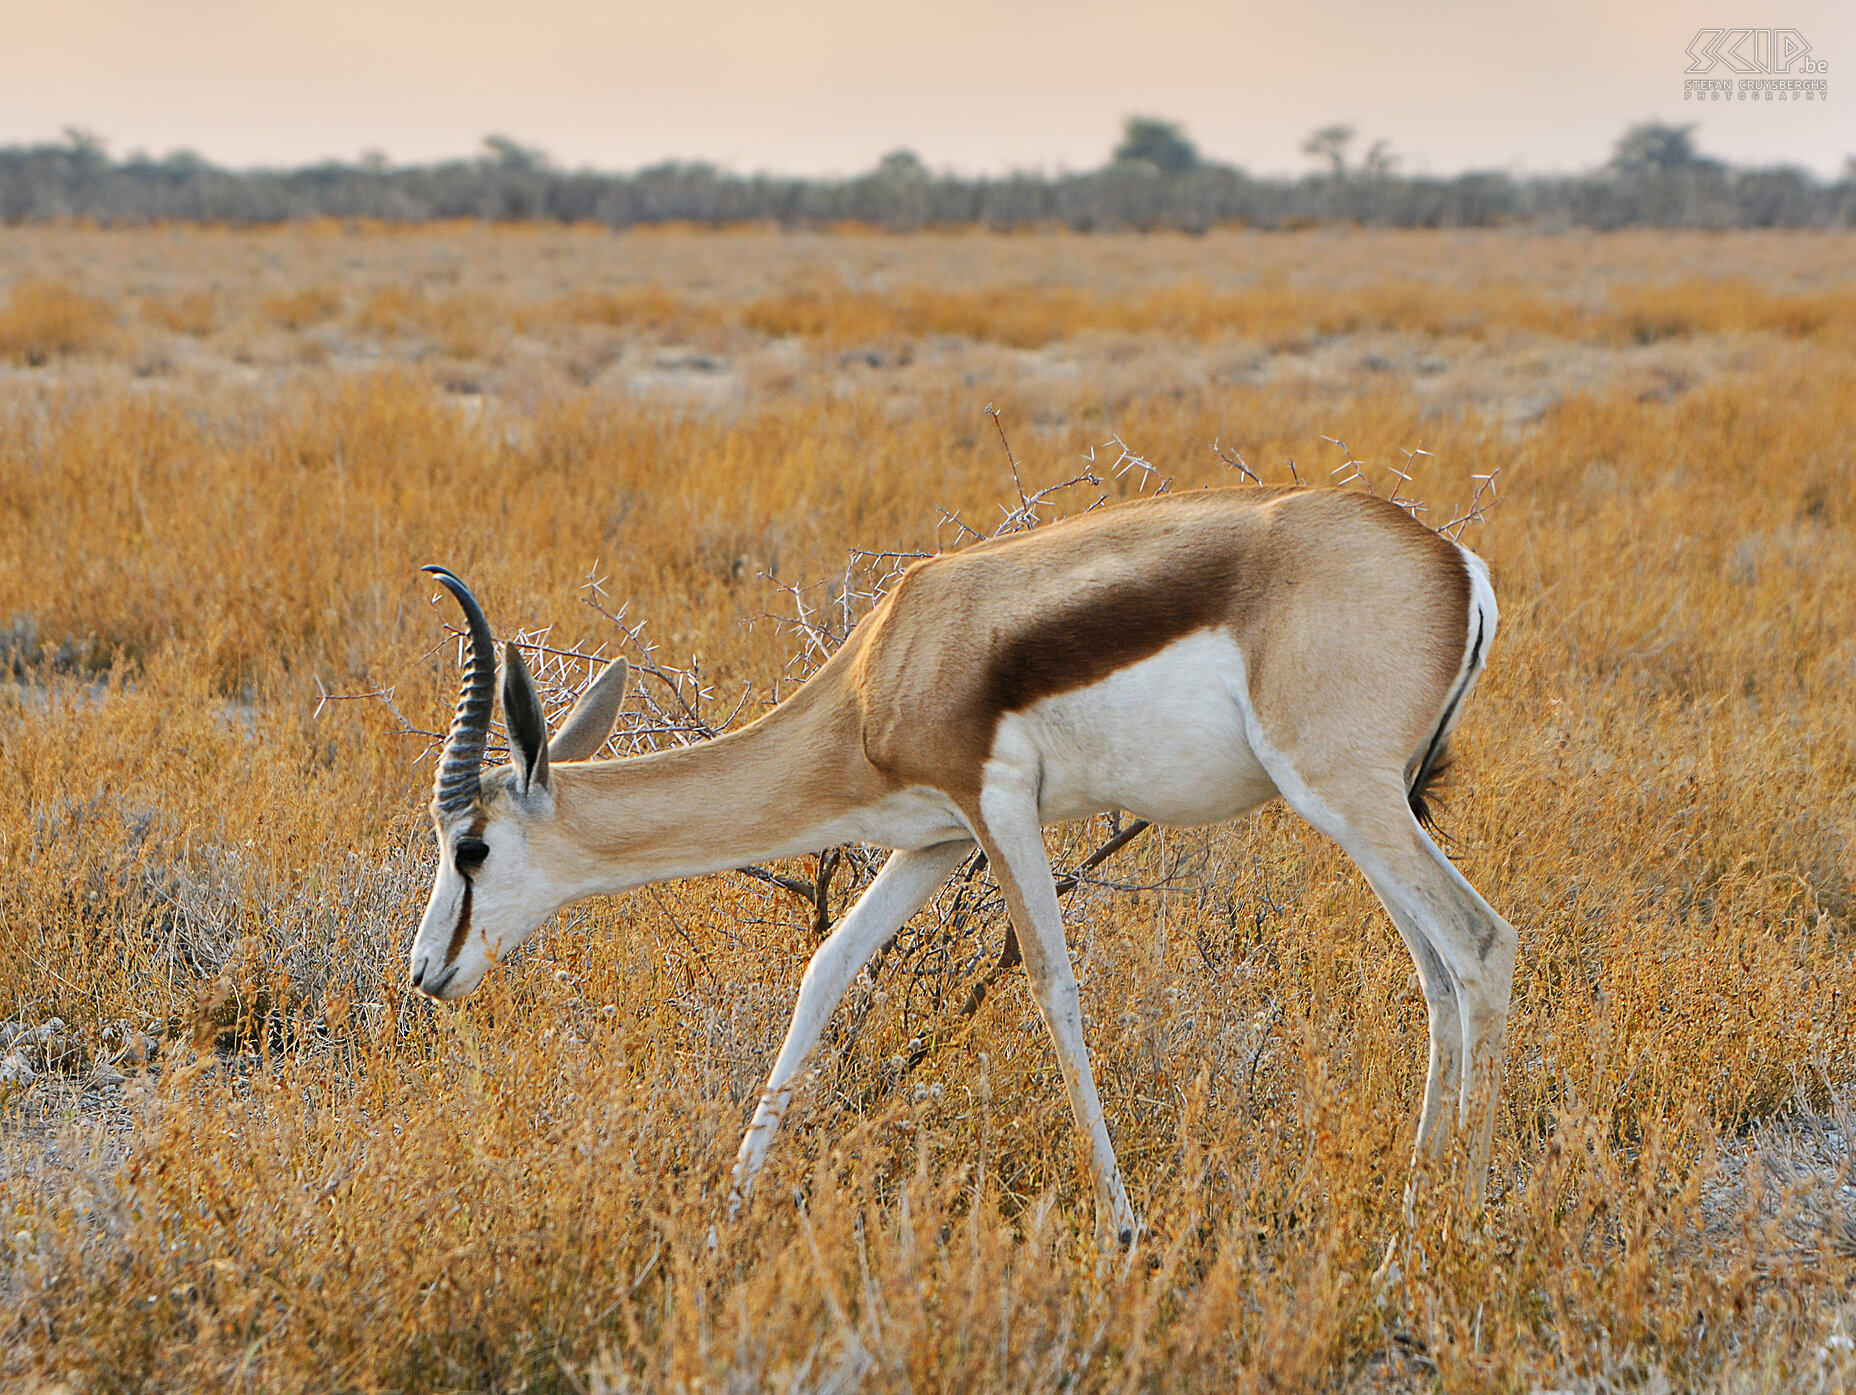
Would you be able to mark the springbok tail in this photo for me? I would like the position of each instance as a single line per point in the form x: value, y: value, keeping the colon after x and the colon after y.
x: 1428, y: 776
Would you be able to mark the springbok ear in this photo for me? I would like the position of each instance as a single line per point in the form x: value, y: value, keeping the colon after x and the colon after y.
x: 590, y: 723
x: 528, y: 729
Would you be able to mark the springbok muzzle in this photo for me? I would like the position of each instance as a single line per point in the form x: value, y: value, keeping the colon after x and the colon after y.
x: 429, y: 979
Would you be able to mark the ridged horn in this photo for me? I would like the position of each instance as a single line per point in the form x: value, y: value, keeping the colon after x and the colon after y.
x: 460, y: 766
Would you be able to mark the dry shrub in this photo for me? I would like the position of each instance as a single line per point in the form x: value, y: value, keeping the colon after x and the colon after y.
x: 631, y: 307
x: 193, y: 313
x: 1643, y: 314
x: 302, y: 307
x: 45, y: 319
x: 333, y: 1184
x: 461, y: 323
x: 391, y: 310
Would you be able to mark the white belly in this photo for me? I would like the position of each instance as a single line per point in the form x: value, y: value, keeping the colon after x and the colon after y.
x: 917, y: 817
x: 1163, y: 739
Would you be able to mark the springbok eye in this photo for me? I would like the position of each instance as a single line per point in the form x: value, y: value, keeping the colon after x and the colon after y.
x: 471, y: 853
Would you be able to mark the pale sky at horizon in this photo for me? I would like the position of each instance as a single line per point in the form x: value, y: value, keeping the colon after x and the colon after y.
x: 816, y: 87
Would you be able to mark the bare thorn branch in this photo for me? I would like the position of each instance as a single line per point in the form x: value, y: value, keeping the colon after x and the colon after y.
x: 1480, y: 502
x: 1235, y: 461
x: 1355, y: 469
x: 1010, y: 459
x: 1129, y: 460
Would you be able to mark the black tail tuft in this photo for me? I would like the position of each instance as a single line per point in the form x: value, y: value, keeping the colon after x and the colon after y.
x: 1437, y: 759
x: 1428, y: 783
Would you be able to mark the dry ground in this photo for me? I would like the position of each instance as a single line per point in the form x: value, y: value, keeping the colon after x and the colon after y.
x: 223, y: 455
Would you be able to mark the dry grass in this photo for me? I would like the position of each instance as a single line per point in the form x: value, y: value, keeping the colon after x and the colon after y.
x: 301, y: 308
x: 1282, y: 316
x: 193, y: 313
x: 46, y: 318
x: 325, y: 1184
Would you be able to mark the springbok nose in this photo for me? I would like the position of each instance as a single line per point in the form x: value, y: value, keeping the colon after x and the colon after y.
x: 431, y: 984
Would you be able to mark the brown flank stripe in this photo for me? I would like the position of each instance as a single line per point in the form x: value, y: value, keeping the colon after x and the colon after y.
x: 1100, y: 630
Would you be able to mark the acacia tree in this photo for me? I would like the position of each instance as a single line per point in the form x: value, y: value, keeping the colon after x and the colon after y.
x: 1330, y: 143
x: 1162, y: 144
x: 1656, y: 148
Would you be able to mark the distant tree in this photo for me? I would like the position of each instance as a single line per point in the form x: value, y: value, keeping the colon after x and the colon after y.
x: 903, y: 166
x: 1774, y: 198
x: 688, y: 170
x: 513, y: 155
x: 1330, y: 143
x: 87, y: 146
x: 1162, y: 144
x: 897, y: 194
x: 1380, y: 162
x: 1655, y: 148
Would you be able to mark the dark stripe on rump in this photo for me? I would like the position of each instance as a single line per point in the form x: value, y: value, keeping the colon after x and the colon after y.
x: 462, y: 932
x: 1437, y: 754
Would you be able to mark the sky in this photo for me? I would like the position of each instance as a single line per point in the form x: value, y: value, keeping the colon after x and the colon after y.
x: 826, y: 87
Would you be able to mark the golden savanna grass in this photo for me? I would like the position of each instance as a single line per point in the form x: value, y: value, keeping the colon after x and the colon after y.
x: 44, y: 318
x: 214, y: 500
x: 821, y: 302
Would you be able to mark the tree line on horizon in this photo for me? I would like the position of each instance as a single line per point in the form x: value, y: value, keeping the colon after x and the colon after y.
x: 1155, y: 179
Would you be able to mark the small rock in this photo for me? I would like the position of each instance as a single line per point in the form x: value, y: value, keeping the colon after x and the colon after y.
x: 17, y: 1070
x: 682, y: 360
x: 45, y: 1034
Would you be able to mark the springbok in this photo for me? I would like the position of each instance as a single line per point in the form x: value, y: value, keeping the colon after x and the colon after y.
x: 1184, y: 658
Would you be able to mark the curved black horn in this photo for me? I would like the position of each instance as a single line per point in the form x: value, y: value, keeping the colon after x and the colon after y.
x: 460, y: 767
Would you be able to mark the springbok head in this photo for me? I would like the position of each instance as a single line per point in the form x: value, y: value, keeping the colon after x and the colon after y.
x: 500, y: 864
